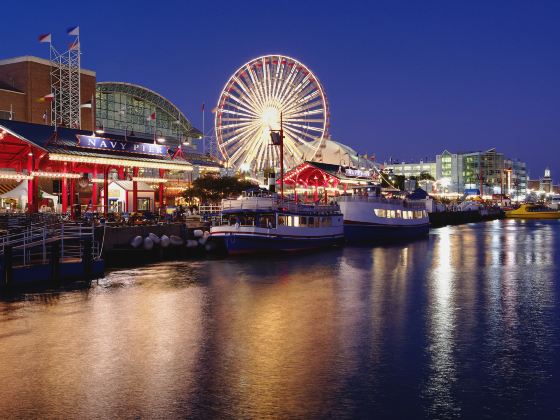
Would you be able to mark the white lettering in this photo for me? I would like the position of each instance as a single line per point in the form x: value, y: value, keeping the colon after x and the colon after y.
x: 357, y: 173
x: 113, y: 144
x: 91, y: 142
x: 103, y: 144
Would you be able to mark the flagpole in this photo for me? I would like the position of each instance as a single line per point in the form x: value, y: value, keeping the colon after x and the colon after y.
x: 92, y: 116
x: 203, y: 132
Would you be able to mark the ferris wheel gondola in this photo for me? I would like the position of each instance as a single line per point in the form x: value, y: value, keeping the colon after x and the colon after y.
x: 252, y: 103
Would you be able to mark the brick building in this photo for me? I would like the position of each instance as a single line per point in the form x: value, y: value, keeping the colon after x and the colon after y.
x: 23, y: 80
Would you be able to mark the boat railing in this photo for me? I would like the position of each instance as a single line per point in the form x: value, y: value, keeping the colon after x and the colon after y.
x: 276, y: 204
x: 412, y: 204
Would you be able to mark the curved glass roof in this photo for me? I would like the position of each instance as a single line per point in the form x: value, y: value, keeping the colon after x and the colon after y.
x: 125, y: 108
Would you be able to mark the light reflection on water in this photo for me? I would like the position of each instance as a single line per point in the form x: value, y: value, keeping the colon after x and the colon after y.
x: 463, y: 324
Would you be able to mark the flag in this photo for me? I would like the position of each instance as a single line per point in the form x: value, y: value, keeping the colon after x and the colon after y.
x: 152, y: 117
x: 214, y: 110
x: 73, y: 30
x: 74, y: 45
x: 45, y: 38
x: 86, y: 104
x: 46, y: 98
x: 202, y: 107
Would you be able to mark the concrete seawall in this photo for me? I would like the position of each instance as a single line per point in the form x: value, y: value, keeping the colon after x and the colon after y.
x: 121, y: 236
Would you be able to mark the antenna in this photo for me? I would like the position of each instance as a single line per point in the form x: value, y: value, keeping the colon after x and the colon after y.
x: 65, y: 83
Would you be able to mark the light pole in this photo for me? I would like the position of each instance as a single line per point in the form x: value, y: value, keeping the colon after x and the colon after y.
x: 277, y: 137
x: 127, y: 133
x: 158, y: 135
x: 99, y: 128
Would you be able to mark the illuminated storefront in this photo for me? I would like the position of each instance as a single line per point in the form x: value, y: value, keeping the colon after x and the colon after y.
x: 79, y: 164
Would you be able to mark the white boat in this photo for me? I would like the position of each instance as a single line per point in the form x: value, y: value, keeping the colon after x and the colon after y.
x: 256, y: 223
x: 369, y: 217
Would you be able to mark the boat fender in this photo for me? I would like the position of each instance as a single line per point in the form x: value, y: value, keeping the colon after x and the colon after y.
x: 198, y: 233
x: 136, y: 241
x: 154, y: 238
x: 148, y: 243
x: 202, y: 241
x: 237, y: 225
x: 192, y: 243
x: 165, y: 241
x: 176, y: 240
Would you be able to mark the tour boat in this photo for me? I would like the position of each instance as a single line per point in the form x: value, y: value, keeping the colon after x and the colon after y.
x: 370, y: 217
x: 533, y: 211
x: 256, y: 223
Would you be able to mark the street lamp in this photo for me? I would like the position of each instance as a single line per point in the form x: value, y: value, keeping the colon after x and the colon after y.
x: 127, y: 133
x: 158, y: 135
x: 99, y: 128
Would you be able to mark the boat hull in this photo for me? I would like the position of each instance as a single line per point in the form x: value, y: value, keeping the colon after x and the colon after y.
x: 535, y: 216
x: 239, y: 244
x: 371, y: 233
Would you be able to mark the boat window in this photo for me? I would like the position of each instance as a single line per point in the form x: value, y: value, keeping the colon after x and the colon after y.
x: 398, y: 213
x: 325, y: 221
x: 289, y: 221
x: 310, y: 221
x: 303, y: 220
x: 296, y: 221
x: 391, y: 214
x: 281, y: 220
x: 317, y: 222
x: 267, y: 221
x: 380, y: 212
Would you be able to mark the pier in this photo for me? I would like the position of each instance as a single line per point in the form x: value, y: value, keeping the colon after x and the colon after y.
x: 38, y: 250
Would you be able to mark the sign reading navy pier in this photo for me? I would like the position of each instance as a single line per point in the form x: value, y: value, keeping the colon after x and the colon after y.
x: 101, y: 143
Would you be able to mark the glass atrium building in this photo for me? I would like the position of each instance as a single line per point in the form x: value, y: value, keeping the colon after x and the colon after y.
x: 127, y: 109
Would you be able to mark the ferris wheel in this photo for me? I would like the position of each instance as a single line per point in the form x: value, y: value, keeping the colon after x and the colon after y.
x: 259, y: 94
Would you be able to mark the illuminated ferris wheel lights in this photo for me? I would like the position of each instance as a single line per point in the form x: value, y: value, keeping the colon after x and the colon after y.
x: 251, y: 104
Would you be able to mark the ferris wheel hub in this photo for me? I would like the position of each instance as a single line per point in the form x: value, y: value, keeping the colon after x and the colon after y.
x: 270, y: 118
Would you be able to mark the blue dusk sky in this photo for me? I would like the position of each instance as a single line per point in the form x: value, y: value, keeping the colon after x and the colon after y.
x: 405, y: 79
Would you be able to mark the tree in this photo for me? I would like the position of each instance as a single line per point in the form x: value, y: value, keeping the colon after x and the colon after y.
x: 213, y: 188
x: 426, y: 176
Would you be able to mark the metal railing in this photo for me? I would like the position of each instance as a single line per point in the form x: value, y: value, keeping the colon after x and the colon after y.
x: 33, y: 244
x: 411, y: 204
x: 275, y: 204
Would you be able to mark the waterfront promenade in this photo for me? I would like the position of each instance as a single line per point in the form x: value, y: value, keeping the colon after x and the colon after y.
x: 463, y: 324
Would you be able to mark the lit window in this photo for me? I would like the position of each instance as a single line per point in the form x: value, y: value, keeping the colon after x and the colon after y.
x: 380, y: 212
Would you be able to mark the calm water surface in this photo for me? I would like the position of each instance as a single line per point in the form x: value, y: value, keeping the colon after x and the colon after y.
x: 465, y: 324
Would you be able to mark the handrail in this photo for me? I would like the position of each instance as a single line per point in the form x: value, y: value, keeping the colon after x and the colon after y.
x: 415, y: 204
x: 70, y: 236
x: 274, y: 204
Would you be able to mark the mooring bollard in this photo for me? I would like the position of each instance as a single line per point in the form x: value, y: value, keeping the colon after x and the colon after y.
x: 55, y: 261
x: 87, y: 258
x: 7, y: 267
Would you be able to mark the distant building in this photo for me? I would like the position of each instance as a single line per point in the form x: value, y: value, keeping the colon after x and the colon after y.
x: 412, y: 169
x: 485, y: 173
x: 546, y: 182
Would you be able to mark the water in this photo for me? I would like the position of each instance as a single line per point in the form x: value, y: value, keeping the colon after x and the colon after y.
x: 465, y: 324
